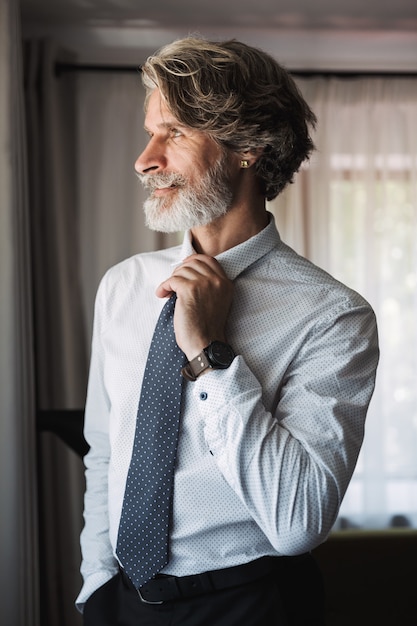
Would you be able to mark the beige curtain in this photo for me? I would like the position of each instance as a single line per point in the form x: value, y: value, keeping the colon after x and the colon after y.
x: 61, y: 355
x: 353, y: 211
x: 19, y: 577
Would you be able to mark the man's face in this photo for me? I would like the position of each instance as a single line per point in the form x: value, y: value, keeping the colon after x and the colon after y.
x: 185, y: 170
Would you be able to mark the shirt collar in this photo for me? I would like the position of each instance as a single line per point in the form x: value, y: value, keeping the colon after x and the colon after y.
x: 235, y: 260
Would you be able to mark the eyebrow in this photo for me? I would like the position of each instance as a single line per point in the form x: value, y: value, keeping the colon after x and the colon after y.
x: 167, y: 125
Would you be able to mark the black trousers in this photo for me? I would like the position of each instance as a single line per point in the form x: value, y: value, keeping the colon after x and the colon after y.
x: 296, y: 599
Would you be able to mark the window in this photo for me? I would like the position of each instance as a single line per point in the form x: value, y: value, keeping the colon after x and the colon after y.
x: 356, y: 216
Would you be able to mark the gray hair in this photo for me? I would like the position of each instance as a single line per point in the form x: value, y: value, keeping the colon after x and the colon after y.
x: 241, y: 97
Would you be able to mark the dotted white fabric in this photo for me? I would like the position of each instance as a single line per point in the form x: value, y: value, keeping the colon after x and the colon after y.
x: 142, y: 543
x: 267, y: 447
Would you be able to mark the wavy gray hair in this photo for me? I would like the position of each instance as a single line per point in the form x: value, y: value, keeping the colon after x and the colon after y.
x: 241, y: 97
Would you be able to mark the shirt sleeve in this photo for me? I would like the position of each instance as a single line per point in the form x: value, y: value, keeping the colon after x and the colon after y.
x: 98, y: 562
x: 291, y: 465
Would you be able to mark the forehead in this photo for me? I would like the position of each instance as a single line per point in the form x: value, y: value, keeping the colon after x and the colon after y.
x: 157, y: 112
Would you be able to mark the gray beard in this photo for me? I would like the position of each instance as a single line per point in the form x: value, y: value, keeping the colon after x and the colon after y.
x: 192, y: 206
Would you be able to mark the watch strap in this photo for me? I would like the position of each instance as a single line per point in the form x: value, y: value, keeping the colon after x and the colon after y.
x: 196, y: 366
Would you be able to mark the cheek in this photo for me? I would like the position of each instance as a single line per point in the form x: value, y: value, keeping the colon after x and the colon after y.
x: 208, y: 155
x: 195, y: 169
x: 190, y: 165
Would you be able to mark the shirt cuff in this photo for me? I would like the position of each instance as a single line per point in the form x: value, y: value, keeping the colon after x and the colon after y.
x: 91, y: 584
x: 226, y: 396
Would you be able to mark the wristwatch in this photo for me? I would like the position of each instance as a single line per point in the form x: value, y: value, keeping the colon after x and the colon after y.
x: 218, y: 356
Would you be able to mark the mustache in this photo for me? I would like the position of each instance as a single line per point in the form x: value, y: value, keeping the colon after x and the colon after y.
x: 160, y: 181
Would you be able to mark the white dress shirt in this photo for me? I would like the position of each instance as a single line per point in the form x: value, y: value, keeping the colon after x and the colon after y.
x: 266, y: 447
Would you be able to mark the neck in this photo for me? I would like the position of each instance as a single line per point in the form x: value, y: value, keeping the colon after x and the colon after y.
x: 228, y: 231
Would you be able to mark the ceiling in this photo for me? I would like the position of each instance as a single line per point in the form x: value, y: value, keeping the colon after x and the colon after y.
x: 323, y: 14
x: 324, y: 33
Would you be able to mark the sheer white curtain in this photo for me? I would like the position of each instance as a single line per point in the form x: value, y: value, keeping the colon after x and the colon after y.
x: 353, y: 211
x: 110, y: 137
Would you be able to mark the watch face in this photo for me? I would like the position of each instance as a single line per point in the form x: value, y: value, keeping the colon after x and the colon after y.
x: 220, y: 354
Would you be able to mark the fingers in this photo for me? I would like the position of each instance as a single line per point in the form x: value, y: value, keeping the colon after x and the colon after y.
x: 204, y: 296
x: 197, y: 267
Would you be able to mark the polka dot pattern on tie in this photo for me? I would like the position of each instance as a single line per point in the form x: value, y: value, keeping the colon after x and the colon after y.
x: 142, y: 544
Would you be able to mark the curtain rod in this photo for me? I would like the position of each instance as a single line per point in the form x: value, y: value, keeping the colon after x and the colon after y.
x: 63, y: 68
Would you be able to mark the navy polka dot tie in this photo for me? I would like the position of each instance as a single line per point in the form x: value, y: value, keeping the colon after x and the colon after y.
x: 142, y: 543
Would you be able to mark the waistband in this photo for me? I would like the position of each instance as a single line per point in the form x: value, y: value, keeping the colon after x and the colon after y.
x: 164, y: 588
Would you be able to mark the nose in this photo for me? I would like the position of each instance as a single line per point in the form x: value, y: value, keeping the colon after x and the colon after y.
x: 152, y: 159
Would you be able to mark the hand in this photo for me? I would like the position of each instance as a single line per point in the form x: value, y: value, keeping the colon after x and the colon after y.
x: 204, y: 296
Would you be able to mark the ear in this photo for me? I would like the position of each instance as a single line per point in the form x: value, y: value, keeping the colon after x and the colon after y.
x: 249, y: 157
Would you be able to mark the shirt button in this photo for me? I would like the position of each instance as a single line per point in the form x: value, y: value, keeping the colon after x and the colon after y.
x: 203, y: 395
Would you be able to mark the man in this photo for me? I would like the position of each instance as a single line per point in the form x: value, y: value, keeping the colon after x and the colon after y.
x: 279, y: 367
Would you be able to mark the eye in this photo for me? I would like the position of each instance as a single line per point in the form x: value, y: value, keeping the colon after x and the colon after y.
x: 175, y: 133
